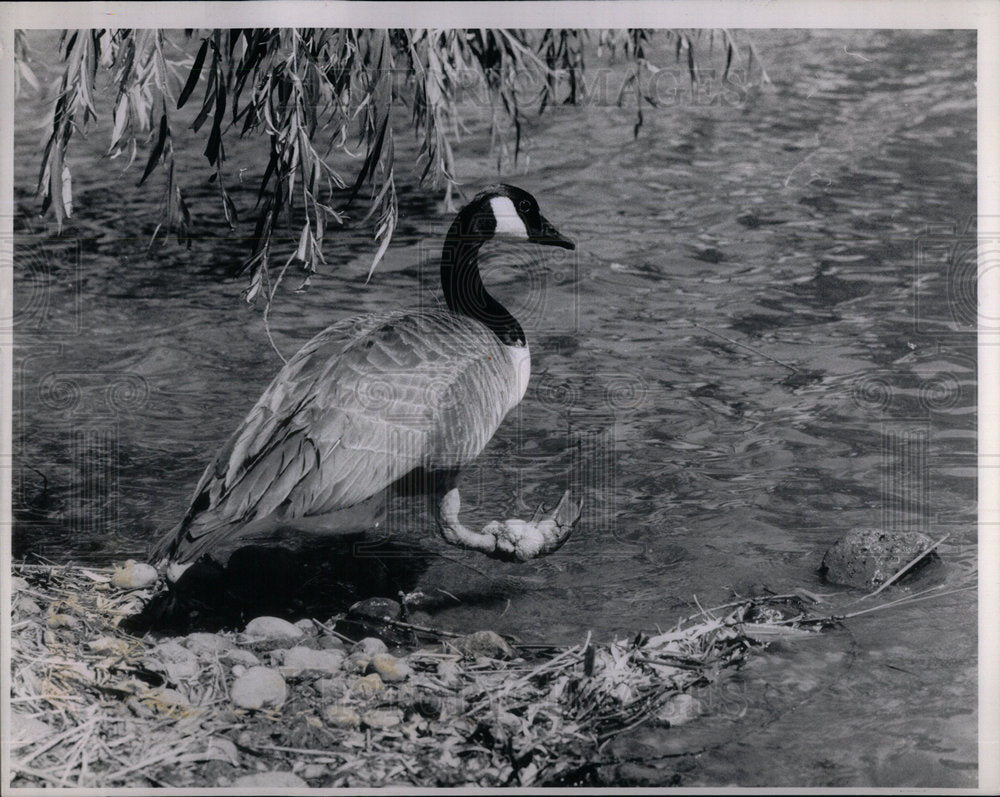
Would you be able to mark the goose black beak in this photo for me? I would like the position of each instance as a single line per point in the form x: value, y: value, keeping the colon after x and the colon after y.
x: 547, y: 235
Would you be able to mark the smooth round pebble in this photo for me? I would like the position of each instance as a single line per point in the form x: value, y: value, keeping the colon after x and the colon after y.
x: 327, y: 642
x: 220, y: 748
x: 272, y: 628
x: 134, y: 575
x: 484, y: 643
x: 381, y: 719
x: 391, y: 669
x: 240, y: 656
x: 297, y: 660
x: 259, y: 687
x: 341, y: 716
x: 368, y: 685
x: 172, y: 650
x: 179, y: 663
x: 238, y: 670
x: 357, y: 662
x: 164, y: 696
x: 376, y: 609
x: 202, y: 642
x: 273, y: 779
x: 369, y: 646
x: 313, y: 771
x: 28, y: 606
x: 107, y: 644
x: 329, y: 687
x: 680, y: 710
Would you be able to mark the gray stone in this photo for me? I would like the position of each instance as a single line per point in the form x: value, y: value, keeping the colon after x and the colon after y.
x: 164, y: 698
x: 107, y: 644
x: 259, y: 687
x: 240, y: 656
x: 341, y: 716
x: 376, y: 609
x: 179, y: 663
x: 172, y: 650
x: 382, y: 719
x: 369, y: 646
x: 26, y: 606
x: 368, y: 685
x: 314, y: 771
x: 202, y: 643
x: 357, y: 662
x: 272, y: 628
x: 297, y: 660
x: 134, y: 575
x: 220, y: 748
x: 329, y: 687
x: 679, y: 710
x: 391, y: 669
x: 488, y: 644
x: 867, y: 558
x: 271, y: 779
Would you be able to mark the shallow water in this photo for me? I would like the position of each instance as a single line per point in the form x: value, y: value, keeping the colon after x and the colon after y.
x: 764, y: 339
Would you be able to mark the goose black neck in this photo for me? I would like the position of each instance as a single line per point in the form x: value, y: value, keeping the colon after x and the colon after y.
x: 463, y: 286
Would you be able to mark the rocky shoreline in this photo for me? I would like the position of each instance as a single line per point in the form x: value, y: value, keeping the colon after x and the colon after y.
x: 390, y: 704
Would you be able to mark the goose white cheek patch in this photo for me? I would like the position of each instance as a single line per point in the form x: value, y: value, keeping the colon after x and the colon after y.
x: 509, y: 224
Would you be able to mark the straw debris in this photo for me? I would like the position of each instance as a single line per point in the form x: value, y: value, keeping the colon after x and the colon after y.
x: 96, y: 707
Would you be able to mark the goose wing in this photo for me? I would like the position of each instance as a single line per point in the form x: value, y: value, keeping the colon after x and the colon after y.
x: 359, y: 406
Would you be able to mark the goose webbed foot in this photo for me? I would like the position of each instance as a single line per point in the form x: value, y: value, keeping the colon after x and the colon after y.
x: 511, y: 540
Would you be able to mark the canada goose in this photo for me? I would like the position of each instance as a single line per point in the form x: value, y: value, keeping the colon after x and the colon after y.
x: 370, y: 400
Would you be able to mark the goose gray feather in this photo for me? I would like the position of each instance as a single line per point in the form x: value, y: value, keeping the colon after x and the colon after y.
x: 369, y: 400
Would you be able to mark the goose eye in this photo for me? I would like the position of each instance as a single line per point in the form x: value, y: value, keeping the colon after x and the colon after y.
x: 524, y: 206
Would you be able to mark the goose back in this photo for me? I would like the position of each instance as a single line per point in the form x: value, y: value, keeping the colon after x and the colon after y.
x: 361, y: 405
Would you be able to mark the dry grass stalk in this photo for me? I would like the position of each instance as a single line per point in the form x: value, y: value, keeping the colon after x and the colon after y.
x: 91, y: 709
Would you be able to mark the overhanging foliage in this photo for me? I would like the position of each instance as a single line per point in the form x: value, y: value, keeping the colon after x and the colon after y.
x: 317, y: 92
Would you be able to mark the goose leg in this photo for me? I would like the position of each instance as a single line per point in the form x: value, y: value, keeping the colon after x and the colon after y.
x: 511, y: 540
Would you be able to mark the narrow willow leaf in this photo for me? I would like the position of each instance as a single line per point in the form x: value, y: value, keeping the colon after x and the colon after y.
x: 387, y: 225
x: 256, y: 283
x: 28, y: 75
x: 385, y: 235
x: 300, y: 253
x: 154, y: 156
x: 193, y: 76
x: 209, y: 102
x: 121, y: 119
x: 67, y: 191
x: 54, y: 195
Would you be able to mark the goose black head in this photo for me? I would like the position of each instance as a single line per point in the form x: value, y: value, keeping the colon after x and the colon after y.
x: 509, y: 213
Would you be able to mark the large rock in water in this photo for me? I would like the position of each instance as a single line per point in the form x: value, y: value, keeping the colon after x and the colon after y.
x: 867, y: 558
